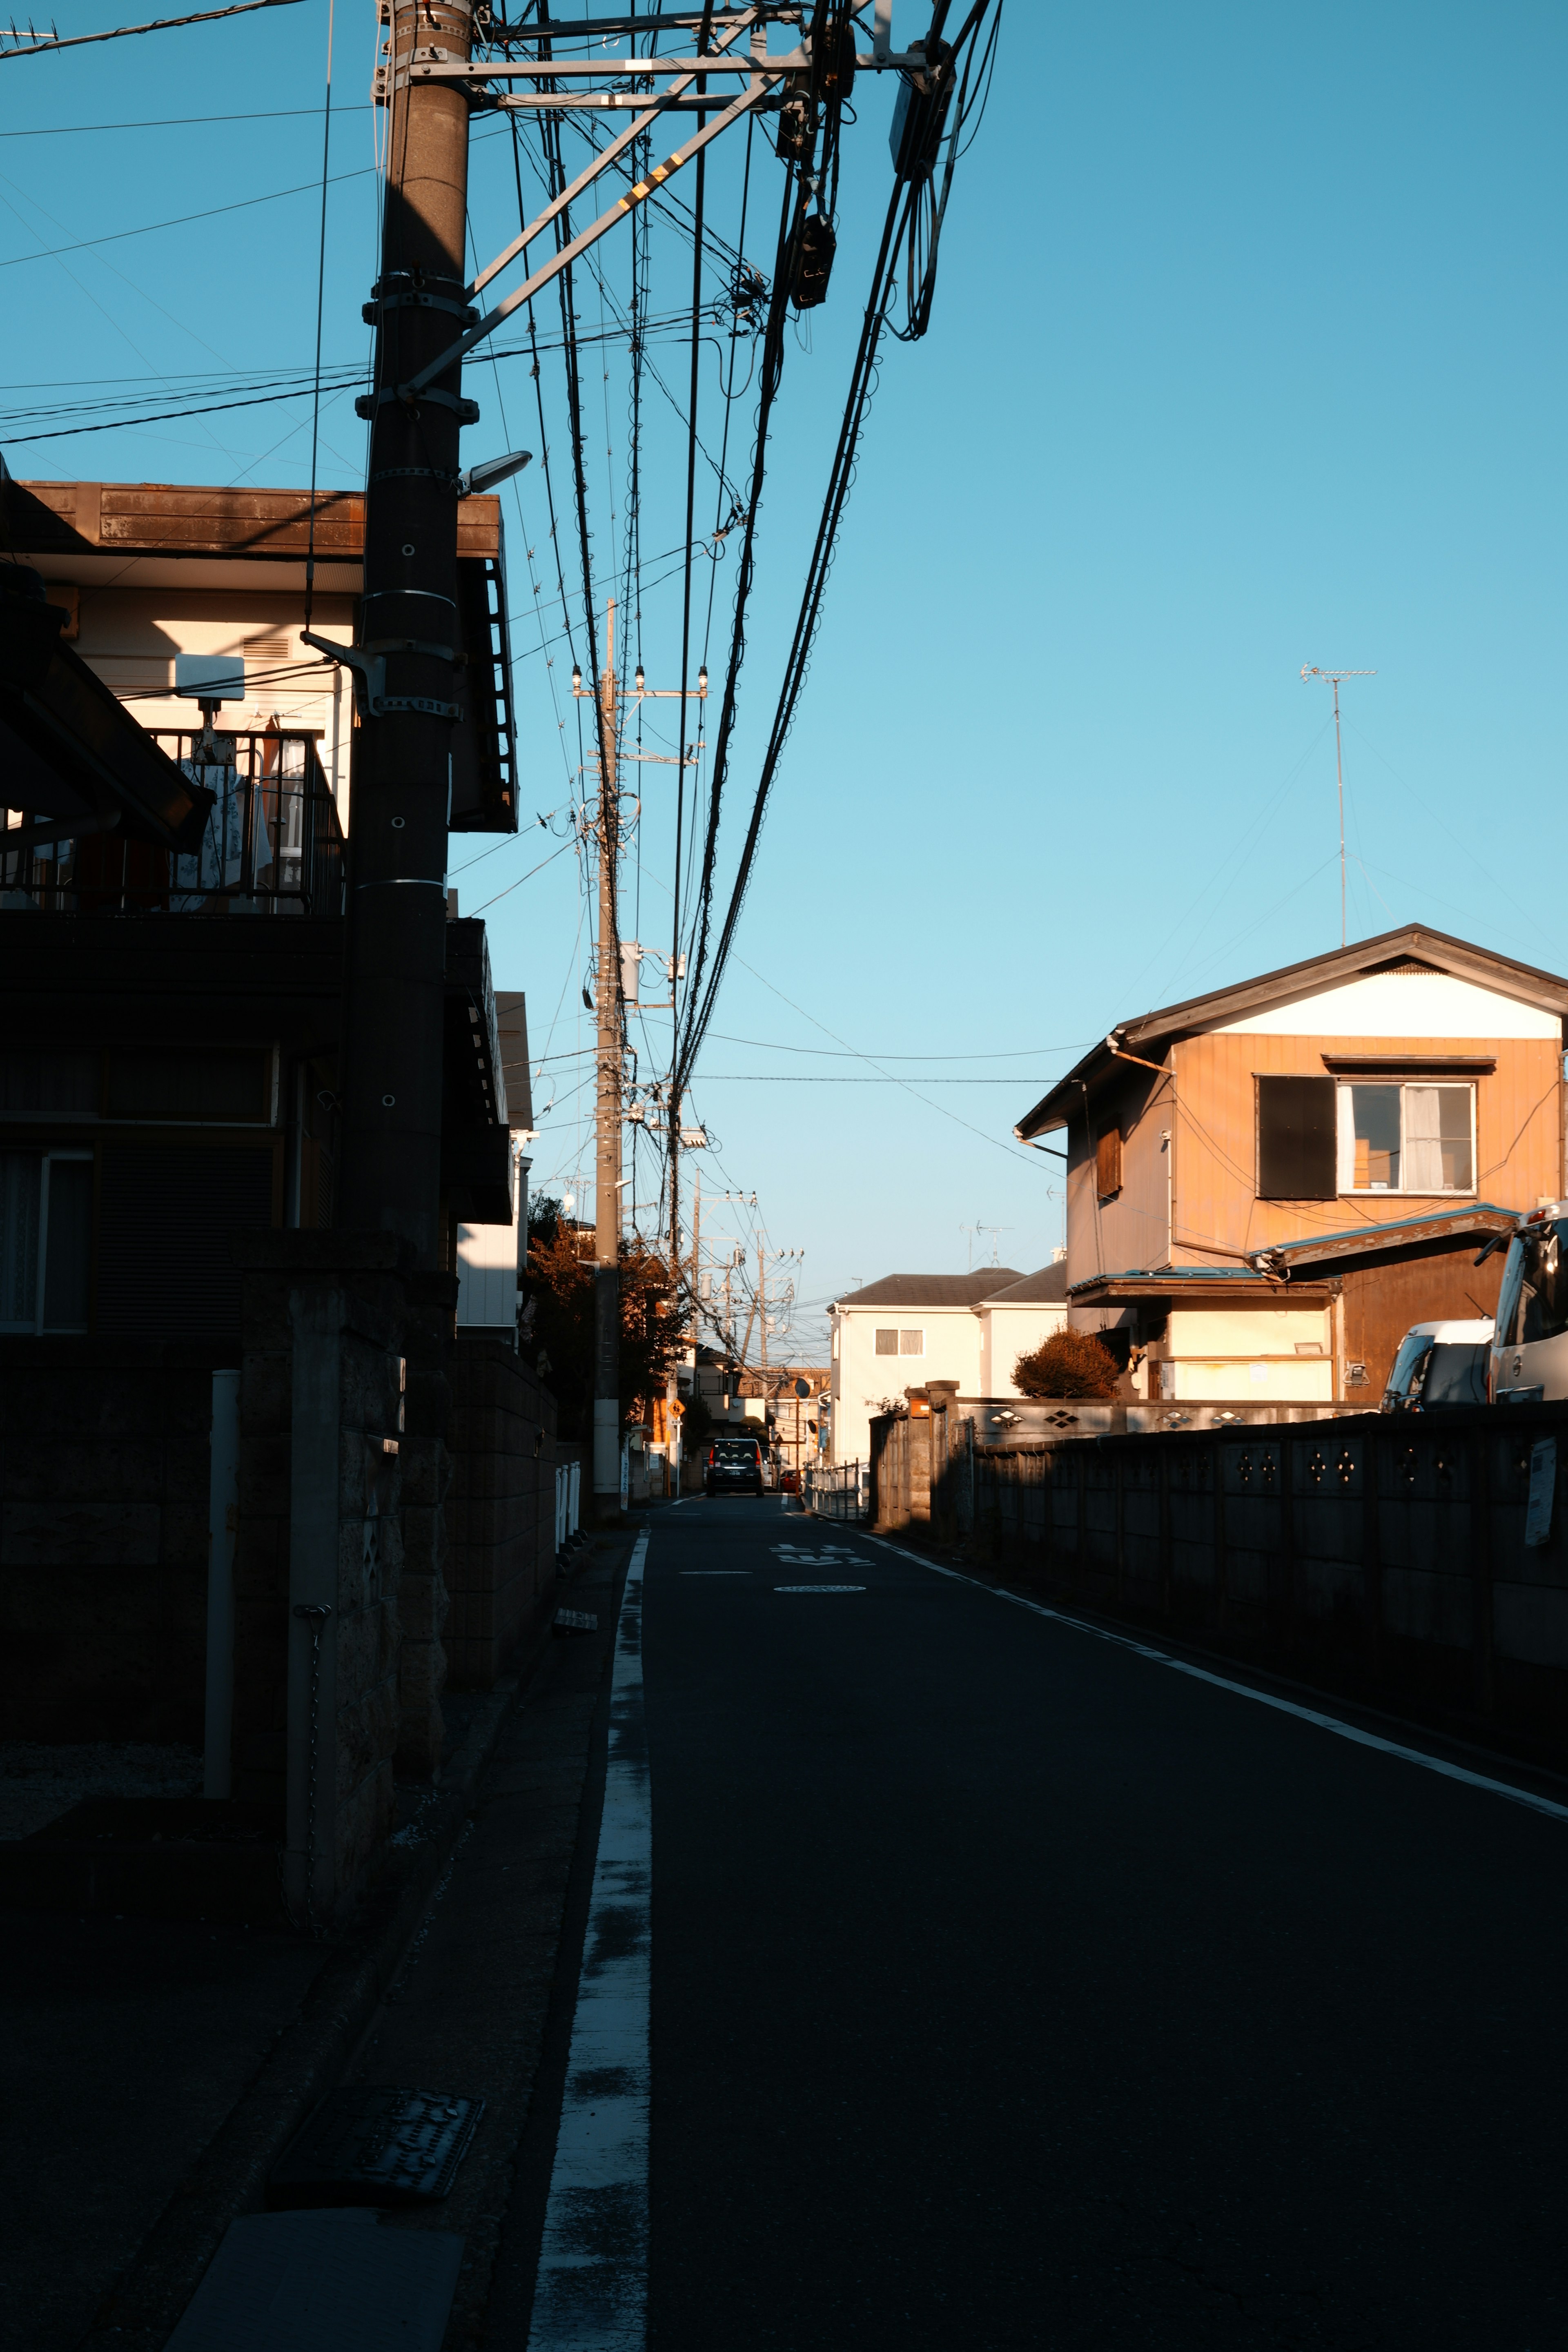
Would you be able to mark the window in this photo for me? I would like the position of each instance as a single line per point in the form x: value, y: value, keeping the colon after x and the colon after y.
x: 900, y: 1343
x: 46, y: 1237
x: 1108, y: 1163
x: 1296, y: 1139
x: 1403, y: 1139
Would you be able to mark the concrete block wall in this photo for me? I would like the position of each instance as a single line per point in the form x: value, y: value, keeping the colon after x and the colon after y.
x: 103, y: 1541
x: 1384, y: 1556
x: 335, y: 1308
x: 500, y: 1566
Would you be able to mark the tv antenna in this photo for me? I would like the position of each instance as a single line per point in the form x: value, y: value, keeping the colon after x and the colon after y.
x: 1332, y: 678
x: 995, y: 1233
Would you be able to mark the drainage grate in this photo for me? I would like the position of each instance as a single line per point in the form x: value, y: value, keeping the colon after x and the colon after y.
x: 375, y: 2147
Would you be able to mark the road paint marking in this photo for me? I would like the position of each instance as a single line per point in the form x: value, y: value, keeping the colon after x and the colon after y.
x: 715, y: 1572
x: 819, y: 1588
x: 590, y: 2295
x: 1351, y: 1731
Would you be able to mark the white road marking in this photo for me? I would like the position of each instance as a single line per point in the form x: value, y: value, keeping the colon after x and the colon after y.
x: 591, y: 2290
x: 819, y: 1588
x: 1351, y: 1731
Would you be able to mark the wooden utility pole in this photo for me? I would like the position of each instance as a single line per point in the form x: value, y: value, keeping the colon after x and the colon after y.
x: 607, y: 1158
x: 408, y: 658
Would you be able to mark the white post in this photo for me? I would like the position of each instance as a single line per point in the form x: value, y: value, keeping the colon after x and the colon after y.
x: 223, y: 1512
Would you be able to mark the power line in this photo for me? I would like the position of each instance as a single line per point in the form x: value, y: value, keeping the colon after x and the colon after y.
x: 160, y: 25
x: 149, y: 229
x: 172, y: 122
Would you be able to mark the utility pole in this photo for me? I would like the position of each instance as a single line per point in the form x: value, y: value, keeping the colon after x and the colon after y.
x: 1332, y: 678
x: 608, y: 996
x: 763, y: 1311
x: 407, y: 658
x: 607, y: 1156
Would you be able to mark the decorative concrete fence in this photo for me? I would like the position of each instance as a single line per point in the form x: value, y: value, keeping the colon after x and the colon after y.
x: 1419, y: 1559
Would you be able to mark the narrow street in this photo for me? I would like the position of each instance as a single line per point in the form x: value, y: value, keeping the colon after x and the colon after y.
x: 1009, y: 1988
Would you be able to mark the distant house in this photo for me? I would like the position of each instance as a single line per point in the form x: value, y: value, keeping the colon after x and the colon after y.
x: 912, y: 1328
x: 1267, y: 1184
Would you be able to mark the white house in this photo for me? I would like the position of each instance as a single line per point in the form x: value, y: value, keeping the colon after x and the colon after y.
x: 1014, y: 1321
x: 489, y: 1257
x: 910, y: 1328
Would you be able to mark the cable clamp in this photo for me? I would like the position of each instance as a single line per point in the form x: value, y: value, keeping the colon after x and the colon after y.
x: 418, y: 703
x: 420, y: 474
x: 414, y: 299
x: 465, y: 411
x: 416, y: 646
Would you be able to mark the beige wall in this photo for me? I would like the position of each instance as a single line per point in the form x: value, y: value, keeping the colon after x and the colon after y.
x: 130, y: 636
x: 1519, y: 1137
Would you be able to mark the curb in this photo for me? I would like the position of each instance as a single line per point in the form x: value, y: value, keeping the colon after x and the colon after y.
x: 229, y: 2177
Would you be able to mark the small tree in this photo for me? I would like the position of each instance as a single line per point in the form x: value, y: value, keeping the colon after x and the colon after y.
x: 1067, y: 1364
x: 561, y: 1282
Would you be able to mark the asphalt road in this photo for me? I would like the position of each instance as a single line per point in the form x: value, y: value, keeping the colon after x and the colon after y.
x: 1011, y: 1990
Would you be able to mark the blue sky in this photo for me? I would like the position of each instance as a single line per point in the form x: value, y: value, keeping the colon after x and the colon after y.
x: 1245, y: 353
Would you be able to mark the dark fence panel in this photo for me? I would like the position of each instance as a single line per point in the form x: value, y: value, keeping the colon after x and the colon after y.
x: 1386, y: 1557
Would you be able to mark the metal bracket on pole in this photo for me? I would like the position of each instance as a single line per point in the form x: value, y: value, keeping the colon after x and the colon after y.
x: 415, y: 389
x: 369, y: 675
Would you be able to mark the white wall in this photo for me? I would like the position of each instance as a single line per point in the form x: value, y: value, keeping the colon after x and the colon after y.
x: 1240, y: 1352
x: 1399, y: 1005
x: 487, y: 1270
x: 1006, y: 1333
x: 862, y: 1378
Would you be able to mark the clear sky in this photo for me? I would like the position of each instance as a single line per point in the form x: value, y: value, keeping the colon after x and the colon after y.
x: 1247, y: 353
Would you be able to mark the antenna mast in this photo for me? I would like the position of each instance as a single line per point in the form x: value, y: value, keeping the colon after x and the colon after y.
x: 1332, y: 678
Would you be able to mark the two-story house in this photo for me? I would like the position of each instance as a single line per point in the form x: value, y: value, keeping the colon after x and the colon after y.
x: 912, y: 1328
x: 1267, y: 1184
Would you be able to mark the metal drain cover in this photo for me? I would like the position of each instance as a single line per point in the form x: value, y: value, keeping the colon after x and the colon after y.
x: 576, y: 1621
x: 375, y: 2147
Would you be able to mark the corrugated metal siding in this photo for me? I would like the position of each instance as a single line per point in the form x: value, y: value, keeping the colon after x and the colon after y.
x: 168, y: 1217
x: 1519, y: 1137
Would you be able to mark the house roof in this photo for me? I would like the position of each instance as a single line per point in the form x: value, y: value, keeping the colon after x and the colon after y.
x: 1399, y: 1233
x: 1198, y: 1285
x: 933, y: 1289
x: 1047, y: 1287
x: 1148, y: 1037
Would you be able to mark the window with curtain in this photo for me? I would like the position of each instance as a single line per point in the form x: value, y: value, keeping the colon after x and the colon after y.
x: 1406, y: 1138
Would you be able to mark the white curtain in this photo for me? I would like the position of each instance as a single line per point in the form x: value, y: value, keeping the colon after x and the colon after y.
x: 1423, y: 1164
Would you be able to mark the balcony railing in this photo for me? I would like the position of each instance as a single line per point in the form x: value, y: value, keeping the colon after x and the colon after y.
x: 272, y: 846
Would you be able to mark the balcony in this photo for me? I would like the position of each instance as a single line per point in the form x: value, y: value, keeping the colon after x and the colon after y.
x: 272, y: 843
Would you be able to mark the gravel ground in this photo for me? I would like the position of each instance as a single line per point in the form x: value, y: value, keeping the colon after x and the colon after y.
x: 39, y: 1783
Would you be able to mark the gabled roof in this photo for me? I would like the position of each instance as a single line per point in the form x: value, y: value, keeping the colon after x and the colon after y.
x: 1153, y: 1032
x: 1047, y: 1287
x: 933, y: 1289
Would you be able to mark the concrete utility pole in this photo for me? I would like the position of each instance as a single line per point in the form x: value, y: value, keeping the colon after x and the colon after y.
x: 607, y: 1157
x: 408, y: 659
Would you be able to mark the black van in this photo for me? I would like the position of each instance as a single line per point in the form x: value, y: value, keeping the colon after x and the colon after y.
x: 734, y: 1467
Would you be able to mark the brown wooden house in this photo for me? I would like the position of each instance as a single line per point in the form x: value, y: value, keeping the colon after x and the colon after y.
x: 1267, y: 1185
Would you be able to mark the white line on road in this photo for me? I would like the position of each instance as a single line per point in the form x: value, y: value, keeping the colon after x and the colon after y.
x: 591, y: 2290
x: 819, y: 1588
x: 1351, y: 1731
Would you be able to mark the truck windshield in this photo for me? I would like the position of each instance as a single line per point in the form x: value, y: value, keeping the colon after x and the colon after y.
x: 1405, y: 1380
x: 1532, y: 1303
x: 1456, y: 1374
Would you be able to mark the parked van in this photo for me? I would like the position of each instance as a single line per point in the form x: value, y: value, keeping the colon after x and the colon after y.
x: 1529, y: 1345
x: 1440, y: 1363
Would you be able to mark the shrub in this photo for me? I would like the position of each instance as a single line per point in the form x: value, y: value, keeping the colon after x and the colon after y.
x: 1067, y: 1364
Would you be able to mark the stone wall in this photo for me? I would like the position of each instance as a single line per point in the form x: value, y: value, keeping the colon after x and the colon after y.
x: 500, y: 1511
x: 103, y: 1541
